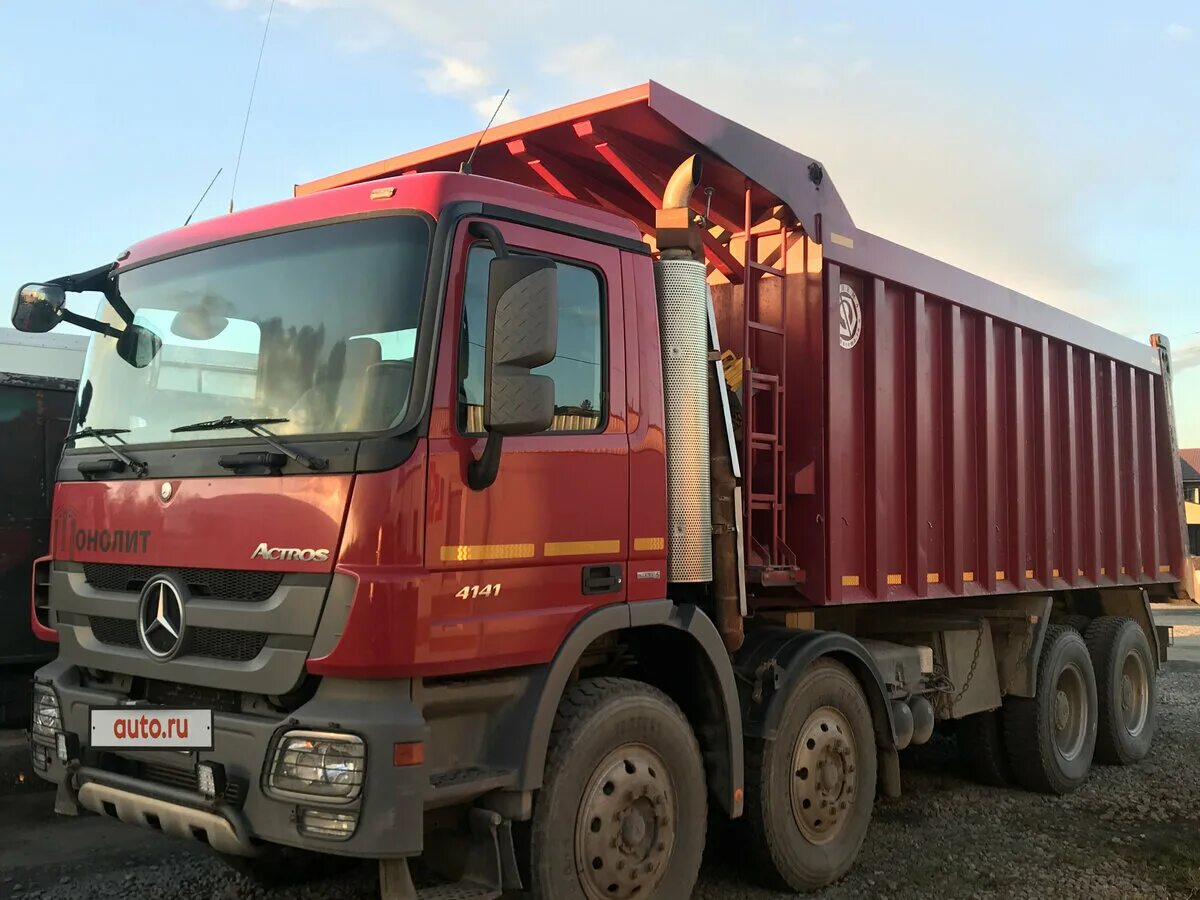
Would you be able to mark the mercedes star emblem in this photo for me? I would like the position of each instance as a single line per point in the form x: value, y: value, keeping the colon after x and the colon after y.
x: 160, y: 618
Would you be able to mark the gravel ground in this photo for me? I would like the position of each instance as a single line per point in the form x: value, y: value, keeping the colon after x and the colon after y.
x: 1129, y: 832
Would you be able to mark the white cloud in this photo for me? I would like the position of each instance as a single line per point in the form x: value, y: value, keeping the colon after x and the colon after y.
x: 1186, y: 355
x: 485, y: 106
x: 452, y: 75
x: 1177, y: 33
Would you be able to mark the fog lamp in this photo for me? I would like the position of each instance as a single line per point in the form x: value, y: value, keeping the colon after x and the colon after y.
x: 318, y: 765
x: 326, y: 824
x: 41, y: 757
x: 210, y: 779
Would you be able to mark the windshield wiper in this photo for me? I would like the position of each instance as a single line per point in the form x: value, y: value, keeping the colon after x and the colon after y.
x: 255, y: 427
x: 102, y: 435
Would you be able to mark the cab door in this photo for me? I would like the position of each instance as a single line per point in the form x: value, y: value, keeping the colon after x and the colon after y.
x: 514, y: 566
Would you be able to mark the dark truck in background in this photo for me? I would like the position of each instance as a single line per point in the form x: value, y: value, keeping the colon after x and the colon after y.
x: 38, y: 377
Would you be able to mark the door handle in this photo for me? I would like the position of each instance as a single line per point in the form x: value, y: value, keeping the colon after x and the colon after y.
x: 601, y: 579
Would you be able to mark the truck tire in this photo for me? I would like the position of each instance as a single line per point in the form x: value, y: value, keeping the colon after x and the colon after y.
x: 1051, y: 737
x: 1078, y: 621
x: 810, y: 791
x: 981, y: 747
x: 623, y: 806
x: 1125, y: 683
x: 277, y: 866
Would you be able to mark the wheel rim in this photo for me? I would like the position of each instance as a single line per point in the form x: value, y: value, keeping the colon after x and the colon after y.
x: 625, y: 829
x: 1069, y: 712
x: 824, y: 775
x: 1135, y: 694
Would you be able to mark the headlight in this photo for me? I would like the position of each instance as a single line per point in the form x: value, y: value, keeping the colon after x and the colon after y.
x: 318, y: 765
x: 46, y: 719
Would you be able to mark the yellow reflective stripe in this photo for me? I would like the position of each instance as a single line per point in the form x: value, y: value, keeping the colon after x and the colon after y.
x: 649, y: 543
x: 581, y: 548
x: 473, y: 552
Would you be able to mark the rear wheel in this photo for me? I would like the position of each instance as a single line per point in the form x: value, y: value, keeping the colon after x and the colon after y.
x: 981, y: 746
x: 809, y: 792
x: 1051, y: 737
x: 1125, y: 684
x: 1077, y: 621
x: 623, y: 808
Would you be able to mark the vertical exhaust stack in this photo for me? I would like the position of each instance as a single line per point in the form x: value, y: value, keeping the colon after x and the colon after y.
x: 680, y: 283
x: 701, y: 476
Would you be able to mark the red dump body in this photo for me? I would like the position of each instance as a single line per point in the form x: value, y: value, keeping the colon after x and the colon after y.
x: 909, y: 430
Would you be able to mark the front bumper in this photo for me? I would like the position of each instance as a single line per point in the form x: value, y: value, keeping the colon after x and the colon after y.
x: 150, y: 788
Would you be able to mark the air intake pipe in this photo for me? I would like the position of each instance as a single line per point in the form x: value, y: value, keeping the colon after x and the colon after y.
x: 682, y: 183
x: 700, y: 476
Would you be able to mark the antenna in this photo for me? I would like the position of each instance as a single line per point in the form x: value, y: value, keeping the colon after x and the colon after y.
x: 465, y: 168
x: 250, y: 104
x: 188, y: 220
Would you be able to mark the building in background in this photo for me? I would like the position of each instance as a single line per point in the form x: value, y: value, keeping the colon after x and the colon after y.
x: 1189, y: 464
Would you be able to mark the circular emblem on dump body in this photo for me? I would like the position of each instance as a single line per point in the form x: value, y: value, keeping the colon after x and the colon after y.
x: 160, y: 618
x: 165, y: 490
x: 850, y: 317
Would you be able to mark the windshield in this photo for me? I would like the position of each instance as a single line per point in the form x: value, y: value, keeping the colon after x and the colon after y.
x: 317, y: 326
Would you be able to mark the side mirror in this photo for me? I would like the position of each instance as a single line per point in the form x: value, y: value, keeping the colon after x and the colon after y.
x: 522, y: 329
x: 138, y: 346
x: 38, y: 307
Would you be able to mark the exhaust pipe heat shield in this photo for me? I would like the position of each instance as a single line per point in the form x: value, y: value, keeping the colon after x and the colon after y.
x: 683, y: 314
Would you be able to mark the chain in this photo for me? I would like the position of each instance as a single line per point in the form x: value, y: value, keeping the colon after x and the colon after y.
x: 1026, y: 646
x: 974, y: 663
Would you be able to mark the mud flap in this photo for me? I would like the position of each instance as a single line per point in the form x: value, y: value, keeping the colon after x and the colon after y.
x: 66, y: 800
x: 488, y: 864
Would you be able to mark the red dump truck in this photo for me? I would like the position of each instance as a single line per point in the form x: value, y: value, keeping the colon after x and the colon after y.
x: 518, y: 514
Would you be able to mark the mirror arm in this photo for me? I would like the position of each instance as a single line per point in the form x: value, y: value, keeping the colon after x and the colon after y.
x: 481, y: 473
x: 492, y: 235
x: 89, y: 323
x: 99, y: 280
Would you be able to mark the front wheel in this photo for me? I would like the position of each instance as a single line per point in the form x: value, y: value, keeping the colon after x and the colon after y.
x: 623, y: 807
x: 810, y: 791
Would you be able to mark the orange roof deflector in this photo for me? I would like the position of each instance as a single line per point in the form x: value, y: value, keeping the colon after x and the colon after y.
x: 617, y: 152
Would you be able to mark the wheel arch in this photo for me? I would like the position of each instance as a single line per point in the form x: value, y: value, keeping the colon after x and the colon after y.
x: 774, y: 658
x: 678, y: 637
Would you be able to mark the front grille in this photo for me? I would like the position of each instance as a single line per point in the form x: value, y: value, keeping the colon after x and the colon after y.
x: 210, y: 643
x: 221, y: 643
x: 120, y: 632
x: 185, y: 779
x: 219, y: 584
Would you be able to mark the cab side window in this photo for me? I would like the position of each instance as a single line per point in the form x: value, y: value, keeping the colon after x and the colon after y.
x: 577, y: 369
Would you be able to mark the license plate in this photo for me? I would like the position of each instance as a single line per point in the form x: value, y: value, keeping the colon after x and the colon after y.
x: 144, y: 728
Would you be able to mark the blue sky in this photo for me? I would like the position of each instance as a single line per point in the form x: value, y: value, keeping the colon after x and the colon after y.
x: 1052, y: 147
